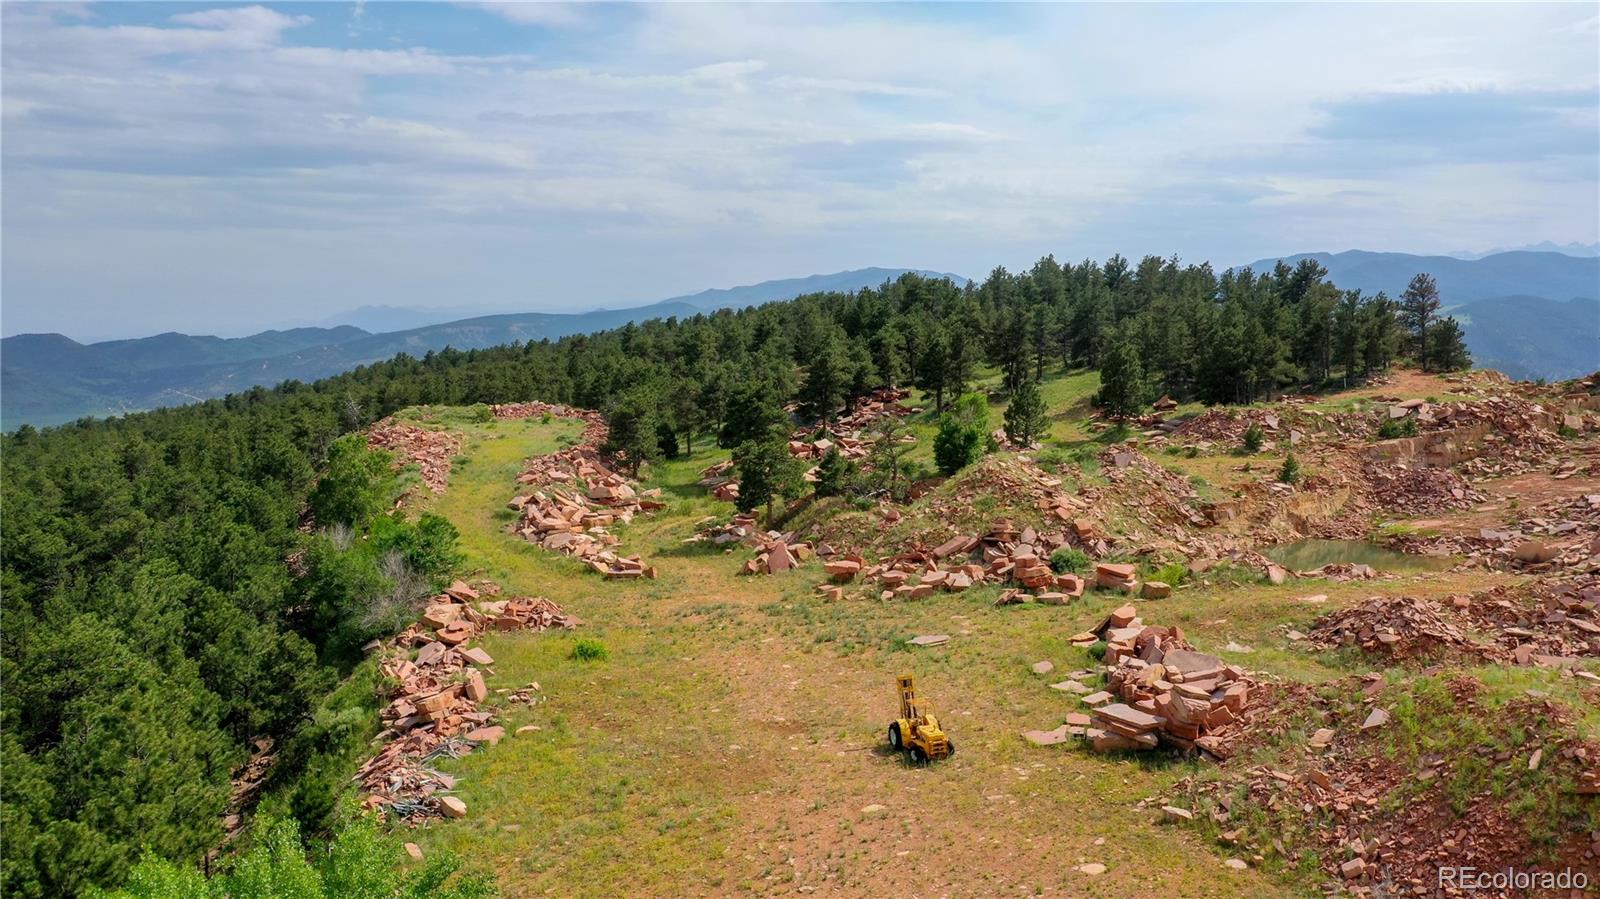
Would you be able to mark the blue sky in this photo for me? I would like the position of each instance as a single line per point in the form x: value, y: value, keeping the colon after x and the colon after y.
x: 221, y: 168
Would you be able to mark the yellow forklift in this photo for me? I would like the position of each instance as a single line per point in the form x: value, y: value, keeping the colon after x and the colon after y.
x: 917, y: 730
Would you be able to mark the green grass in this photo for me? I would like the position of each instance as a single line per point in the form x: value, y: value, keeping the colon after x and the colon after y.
x: 733, y: 734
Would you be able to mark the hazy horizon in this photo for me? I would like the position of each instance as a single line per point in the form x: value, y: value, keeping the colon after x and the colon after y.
x: 217, y: 168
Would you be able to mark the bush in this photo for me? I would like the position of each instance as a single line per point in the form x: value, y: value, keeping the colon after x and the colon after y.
x: 963, y: 433
x: 1397, y: 427
x: 429, y: 546
x: 1068, y: 559
x: 587, y: 650
x: 956, y: 446
x: 360, y: 863
x: 353, y: 488
x: 1290, y: 472
x: 1253, y: 438
x: 1172, y: 575
x: 835, y: 474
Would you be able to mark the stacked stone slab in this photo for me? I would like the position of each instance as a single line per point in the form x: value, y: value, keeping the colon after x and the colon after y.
x: 1159, y: 690
x: 778, y: 552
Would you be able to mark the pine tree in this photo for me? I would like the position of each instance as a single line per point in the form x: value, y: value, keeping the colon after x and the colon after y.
x: 827, y: 381
x: 888, y: 448
x: 1449, y: 347
x: 834, y: 473
x: 766, y: 473
x: 1418, y: 305
x: 962, y: 432
x: 1122, y: 384
x: 1025, y: 418
x: 351, y: 490
x: 634, y: 434
x: 933, y: 368
x: 1290, y: 472
x: 752, y: 410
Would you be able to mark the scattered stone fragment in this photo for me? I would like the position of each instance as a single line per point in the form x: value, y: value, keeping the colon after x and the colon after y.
x: 1046, y: 737
x: 1377, y: 718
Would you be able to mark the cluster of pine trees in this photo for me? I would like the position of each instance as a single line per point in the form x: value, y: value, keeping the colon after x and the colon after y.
x: 163, y: 606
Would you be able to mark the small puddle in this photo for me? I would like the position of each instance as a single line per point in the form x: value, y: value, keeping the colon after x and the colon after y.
x: 1306, y: 555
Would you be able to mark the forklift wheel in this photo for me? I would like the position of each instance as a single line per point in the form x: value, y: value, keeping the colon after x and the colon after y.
x: 950, y: 747
x: 894, y: 736
x: 918, y: 756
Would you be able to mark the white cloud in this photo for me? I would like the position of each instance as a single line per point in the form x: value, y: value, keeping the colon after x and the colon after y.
x: 952, y: 137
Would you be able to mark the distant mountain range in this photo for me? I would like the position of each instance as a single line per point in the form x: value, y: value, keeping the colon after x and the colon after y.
x: 1554, y: 276
x: 1543, y: 246
x: 48, y: 379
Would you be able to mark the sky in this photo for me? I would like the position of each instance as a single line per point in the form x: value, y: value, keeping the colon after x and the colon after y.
x: 216, y: 168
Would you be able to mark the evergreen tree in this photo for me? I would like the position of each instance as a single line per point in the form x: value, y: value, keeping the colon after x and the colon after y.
x: 752, y: 411
x: 888, y: 450
x: 1448, y: 350
x: 835, y: 473
x: 766, y: 473
x: 351, y: 490
x: 962, y: 433
x: 827, y: 382
x: 1289, y: 473
x: 634, y: 434
x: 1122, y: 384
x: 933, y: 368
x: 1418, y: 306
x: 1025, y: 419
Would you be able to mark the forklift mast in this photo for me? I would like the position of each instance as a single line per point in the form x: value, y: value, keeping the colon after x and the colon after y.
x: 908, y: 697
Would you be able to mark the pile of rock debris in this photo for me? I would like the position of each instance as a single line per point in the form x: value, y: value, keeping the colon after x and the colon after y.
x: 435, y: 689
x: 576, y: 500
x: 430, y: 450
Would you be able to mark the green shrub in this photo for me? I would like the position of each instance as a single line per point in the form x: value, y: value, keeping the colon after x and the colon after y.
x: 1253, y: 438
x: 1290, y: 472
x: 1052, y: 459
x: 1069, y: 559
x: 429, y: 546
x: 1397, y: 427
x: 353, y: 487
x: 359, y: 863
x: 587, y: 650
x: 1098, y: 651
x: 1172, y: 574
x: 963, y: 433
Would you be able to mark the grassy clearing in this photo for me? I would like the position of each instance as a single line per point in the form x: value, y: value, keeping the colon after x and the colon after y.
x: 732, y: 737
x: 730, y: 742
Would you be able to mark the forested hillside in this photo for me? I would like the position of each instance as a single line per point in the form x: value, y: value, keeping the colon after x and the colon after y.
x: 164, y: 605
